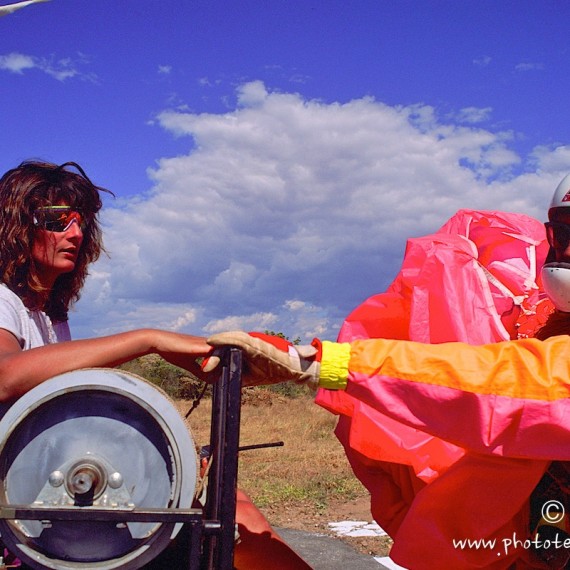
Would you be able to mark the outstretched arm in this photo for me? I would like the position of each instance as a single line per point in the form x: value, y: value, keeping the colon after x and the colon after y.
x: 21, y: 370
x: 510, y: 398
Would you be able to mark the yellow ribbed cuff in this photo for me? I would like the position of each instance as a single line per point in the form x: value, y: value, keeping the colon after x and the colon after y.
x: 334, y: 365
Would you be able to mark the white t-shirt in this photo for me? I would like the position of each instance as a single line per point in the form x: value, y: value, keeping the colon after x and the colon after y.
x: 31, y: 328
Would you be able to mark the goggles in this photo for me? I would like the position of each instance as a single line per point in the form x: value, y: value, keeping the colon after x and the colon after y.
x: 57, y: 218
x: 558, y: 234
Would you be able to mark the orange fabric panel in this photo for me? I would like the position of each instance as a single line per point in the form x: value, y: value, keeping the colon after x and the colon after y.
x: 525, y: 369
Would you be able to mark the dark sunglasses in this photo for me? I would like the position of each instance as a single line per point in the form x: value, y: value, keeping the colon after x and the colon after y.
x: 558, y: 234
x: 57, y: 218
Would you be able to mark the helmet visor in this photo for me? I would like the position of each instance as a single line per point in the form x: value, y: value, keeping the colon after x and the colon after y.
x: 558, y: 234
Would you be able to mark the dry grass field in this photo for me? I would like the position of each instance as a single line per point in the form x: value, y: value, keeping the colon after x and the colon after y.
x: 303, y: 485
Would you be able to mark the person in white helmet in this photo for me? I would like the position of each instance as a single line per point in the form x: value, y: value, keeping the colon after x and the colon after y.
x: 504, y: 405
x: 556, y: 270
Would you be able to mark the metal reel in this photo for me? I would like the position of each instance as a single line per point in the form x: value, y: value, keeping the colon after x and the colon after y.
x: 98, y: 438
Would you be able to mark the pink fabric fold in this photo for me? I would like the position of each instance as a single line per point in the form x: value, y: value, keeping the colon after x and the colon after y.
x: 475, y: 281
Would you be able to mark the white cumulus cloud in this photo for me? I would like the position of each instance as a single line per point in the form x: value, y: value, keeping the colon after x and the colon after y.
x: 286, y: 213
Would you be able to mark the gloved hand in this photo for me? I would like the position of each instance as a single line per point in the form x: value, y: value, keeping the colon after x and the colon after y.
x: 270, y: 359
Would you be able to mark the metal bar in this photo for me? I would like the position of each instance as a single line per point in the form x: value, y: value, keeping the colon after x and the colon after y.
x: 211, y: 508
x: 28, y: 512
x: 222, y: 484
x: 260, y: 446
x: 225, y: 552
x: 194, y: 532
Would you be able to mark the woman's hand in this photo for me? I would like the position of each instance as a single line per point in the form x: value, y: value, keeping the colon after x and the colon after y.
x: 183, y: 350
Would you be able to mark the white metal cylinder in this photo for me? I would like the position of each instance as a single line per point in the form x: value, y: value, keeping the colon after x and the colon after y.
x: 96, y: 437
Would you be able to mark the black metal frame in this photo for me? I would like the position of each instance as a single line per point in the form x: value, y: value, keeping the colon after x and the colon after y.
x: 207, y: 537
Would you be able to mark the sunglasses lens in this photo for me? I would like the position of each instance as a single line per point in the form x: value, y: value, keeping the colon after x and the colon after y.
x: 57, y: 218
x: 558, y: 235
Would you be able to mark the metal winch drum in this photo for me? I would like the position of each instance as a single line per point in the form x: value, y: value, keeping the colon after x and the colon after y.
x: 99, y: 470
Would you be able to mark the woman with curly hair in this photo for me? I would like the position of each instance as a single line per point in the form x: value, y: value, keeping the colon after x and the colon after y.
x: 50, y: 234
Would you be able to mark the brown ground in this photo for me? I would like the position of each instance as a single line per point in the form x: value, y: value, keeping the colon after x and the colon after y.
x: 301, y: 517
x: 305, y: 484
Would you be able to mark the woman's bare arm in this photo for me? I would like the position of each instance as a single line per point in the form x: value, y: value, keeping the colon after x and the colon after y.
x: 21, y: 370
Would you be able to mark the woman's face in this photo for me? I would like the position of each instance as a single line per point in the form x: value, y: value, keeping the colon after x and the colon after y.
x: 56, y: 244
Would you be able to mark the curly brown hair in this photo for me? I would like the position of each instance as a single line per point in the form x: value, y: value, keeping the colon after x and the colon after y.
x: 32, y: 185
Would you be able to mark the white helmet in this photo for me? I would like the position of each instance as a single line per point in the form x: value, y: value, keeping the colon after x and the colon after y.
x: 556, y: 282
x: 556, y: 275
x: 561, y: 198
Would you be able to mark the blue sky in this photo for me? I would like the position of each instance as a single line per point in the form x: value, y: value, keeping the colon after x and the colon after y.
x: 270, y: 158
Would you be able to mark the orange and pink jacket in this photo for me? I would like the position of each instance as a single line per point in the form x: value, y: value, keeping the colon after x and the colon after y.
x: 452, y: 430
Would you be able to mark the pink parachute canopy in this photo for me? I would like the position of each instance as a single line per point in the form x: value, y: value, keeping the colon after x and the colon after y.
x: 476, y: 280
